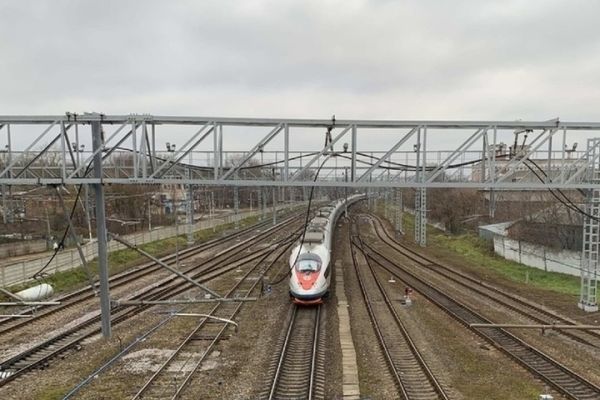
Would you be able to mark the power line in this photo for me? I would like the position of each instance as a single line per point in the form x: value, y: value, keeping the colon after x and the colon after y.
x: 568, y: 203
x: 306, y: 222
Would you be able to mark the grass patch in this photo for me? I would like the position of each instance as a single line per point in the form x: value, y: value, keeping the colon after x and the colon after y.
x: 480, y: 254
x: 120, y: 260
x: 53, y: 393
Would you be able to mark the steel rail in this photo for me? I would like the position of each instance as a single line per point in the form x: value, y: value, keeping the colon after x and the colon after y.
x: 163, y: 367
x: 521, y: 306
x: 556, y: 374
x: 287, y: 358
x: 313, y: 361
x: 166, y: 288
x: 65, y: 340
x: 74, y: 298
x: 400, y: 376
x: 282, y: 354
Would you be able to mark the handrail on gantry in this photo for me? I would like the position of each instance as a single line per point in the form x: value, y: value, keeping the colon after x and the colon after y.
x: 295, y: 122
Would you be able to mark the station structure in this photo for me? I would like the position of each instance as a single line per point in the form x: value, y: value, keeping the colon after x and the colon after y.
x: 377, y: 156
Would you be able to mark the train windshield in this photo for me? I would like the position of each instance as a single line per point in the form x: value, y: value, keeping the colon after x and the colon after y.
x: 308, y: 262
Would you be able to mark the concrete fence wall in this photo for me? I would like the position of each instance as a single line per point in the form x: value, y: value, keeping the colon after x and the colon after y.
x: 68, y: 259
x: 533, y: 255
x: 22, y: 248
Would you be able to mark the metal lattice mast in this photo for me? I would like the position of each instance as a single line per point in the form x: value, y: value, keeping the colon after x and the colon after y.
x: 417, y: 215
x: 259, y: 204
x: 190, y: 214
x: 236, y: 204
x: 591, y: 232
x: 386, y: 202
x: 421, y: 193
x: 398, y: 211
x: 101, y: 231
x: 6, y: 203
x: 190, y: 193
x: 274, y: 205
x: 422, y: 217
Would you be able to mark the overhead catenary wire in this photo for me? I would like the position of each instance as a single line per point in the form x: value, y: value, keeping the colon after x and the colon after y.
x: 392, y: 165
x: 568, y: 203
x: 306, y: 222
x: 61, y: 244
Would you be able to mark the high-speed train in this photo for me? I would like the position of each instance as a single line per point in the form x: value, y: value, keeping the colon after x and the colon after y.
x: 310, y: 260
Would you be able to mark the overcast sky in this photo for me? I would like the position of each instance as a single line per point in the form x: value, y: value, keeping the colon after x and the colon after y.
x: 358, y: 59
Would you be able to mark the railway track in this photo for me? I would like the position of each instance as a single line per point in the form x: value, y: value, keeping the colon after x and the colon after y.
x: 561, y: 378
x: 9, y: 324
x: 413, y: 378
x: 198, y: 344
x: 39, y: 355
x: 521, y: 306
x: 298, y: 370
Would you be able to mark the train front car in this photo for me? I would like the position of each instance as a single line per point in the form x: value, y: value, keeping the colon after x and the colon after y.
x: 310, y: 260
x: 309, y: 282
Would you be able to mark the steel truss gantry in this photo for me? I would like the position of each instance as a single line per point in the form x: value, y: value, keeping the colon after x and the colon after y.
x: 130, y: 154
x: 124, y: 152
x: 591, y: 232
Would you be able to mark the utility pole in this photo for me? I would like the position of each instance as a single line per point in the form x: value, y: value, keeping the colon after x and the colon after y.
x: 236, y: 204
x: 190, y: 206
x: 86, y: 191
x: 48, y: 223
x: 259, y: 206
x: 399, y: 212
x: 262, y: 195
x: 211, y: 210
x: 6, y: 192
x: 346, y: 192
x: 175, y: 207
x: 97, y: 142
x: 190, y: 215
x: 149, y: 216
x: 274, y: 205
x: 4, y: 205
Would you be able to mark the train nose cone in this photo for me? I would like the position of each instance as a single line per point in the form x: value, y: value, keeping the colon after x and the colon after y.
x: 307, y: 279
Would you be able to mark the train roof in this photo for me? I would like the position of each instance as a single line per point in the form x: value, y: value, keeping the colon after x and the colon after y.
x: 319, y: 221
x: 316, y: 236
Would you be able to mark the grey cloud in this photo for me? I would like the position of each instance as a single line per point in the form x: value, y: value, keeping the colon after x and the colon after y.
x: 430, y: 59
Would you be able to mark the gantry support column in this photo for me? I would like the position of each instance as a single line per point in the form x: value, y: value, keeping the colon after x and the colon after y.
x: 421, y: 193
x: 492, y: 204
x: 421, y: 217
x: 6, y: 191
x: 399, y: 209
x: 190, y: 215
x: 588, y: 300
x: 386, y: 201
x: 259, y: 204
x: 101, y: 231
x: 264, y: 202
x: 236, y: 204
x: 274, y: 189
x: 5, y: 206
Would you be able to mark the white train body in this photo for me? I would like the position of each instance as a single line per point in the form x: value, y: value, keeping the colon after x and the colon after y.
x: 310, y: 260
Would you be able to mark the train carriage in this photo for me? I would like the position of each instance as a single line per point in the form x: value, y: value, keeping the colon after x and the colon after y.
x: 310, y: 260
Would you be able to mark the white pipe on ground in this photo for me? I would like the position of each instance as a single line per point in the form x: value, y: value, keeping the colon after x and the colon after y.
x: 36, y: 293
